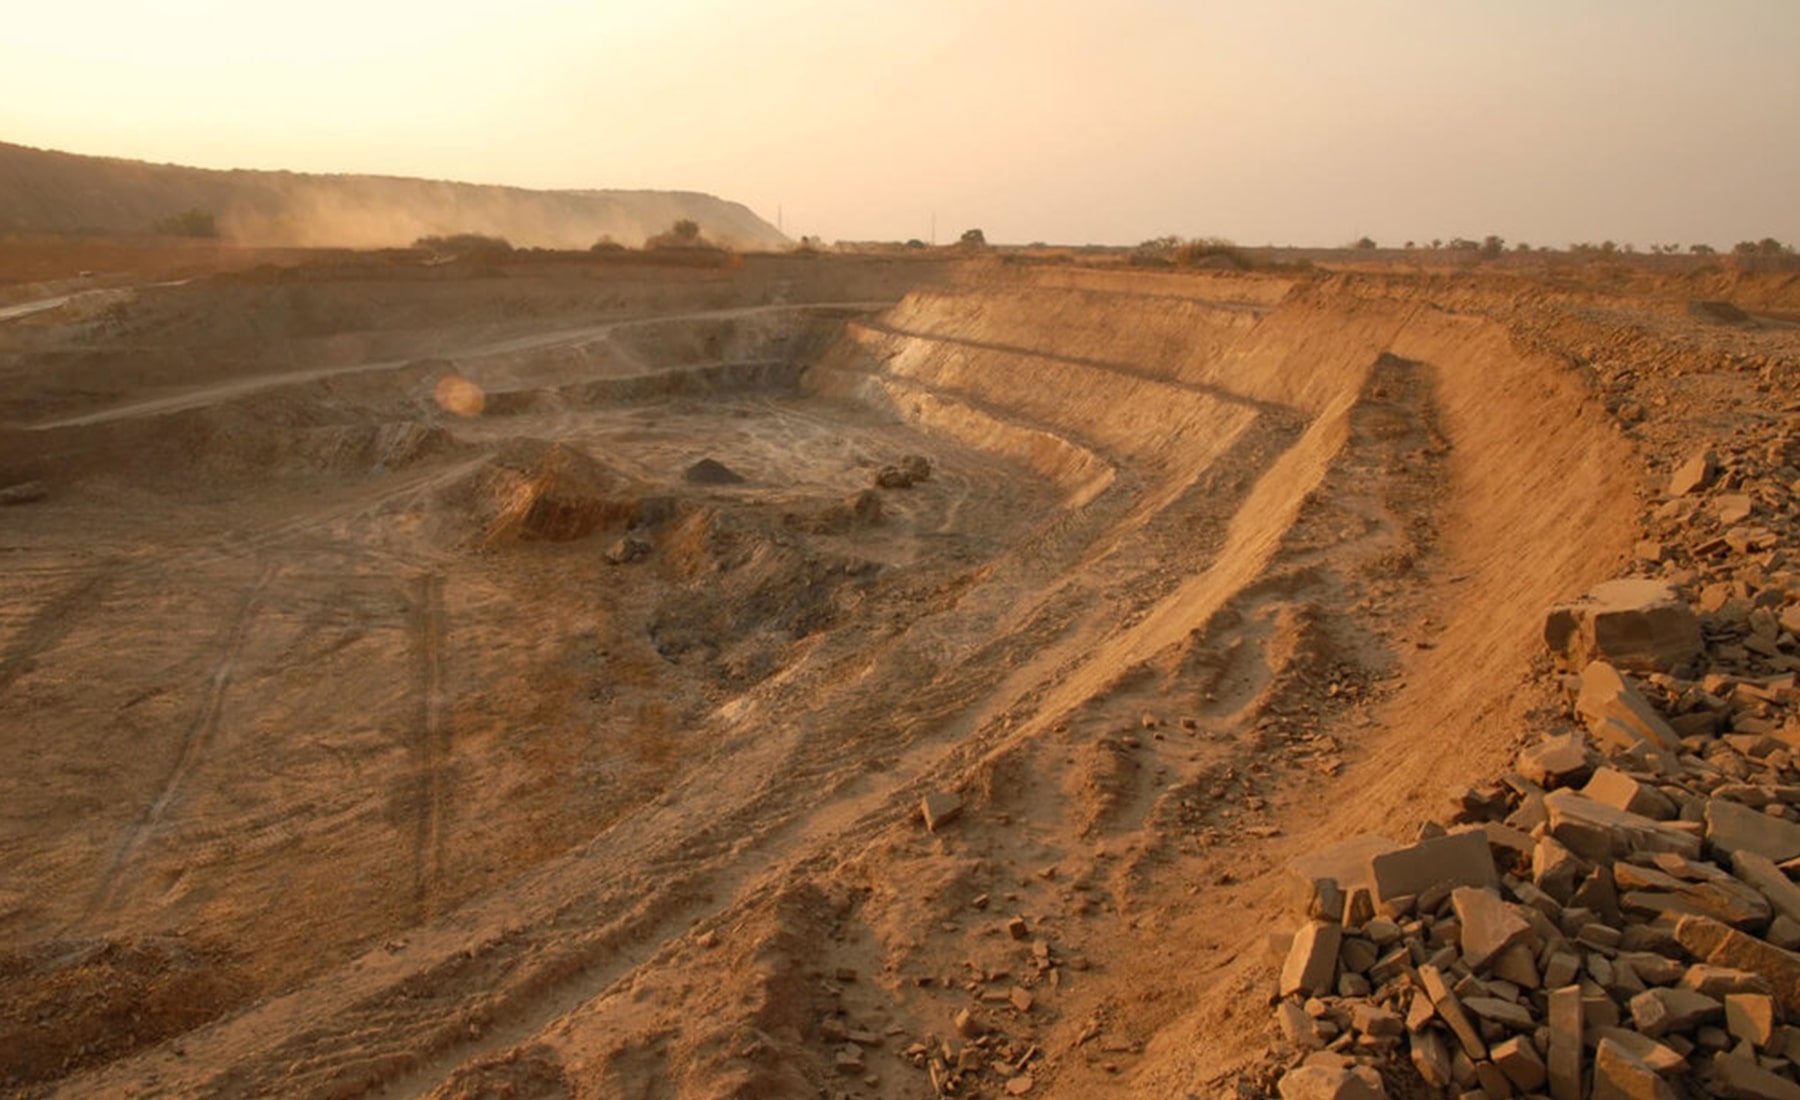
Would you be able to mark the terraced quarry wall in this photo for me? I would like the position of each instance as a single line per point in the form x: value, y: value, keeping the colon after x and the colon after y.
x: 492, y: 752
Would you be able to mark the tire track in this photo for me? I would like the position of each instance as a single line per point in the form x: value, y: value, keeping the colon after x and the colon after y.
x: 195, y: 745
x: 431, y: 746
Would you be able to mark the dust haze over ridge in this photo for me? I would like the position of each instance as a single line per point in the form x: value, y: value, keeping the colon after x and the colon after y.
x: 1301, y: 123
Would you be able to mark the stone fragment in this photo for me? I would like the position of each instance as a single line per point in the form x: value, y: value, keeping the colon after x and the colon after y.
x: 1431, y: 1058
x: 1505, y: 1013
x: 1519, y: 1060
x: 1633, y: 623
x: 1492, y: 1083
x: 1555, y: 870
x: 1717, y: 981
x: 1313, y: 1081
x: 1619, y: 1076
x: 1657, y: 1012
x: 1450, y: 1010
x: 968, y: 1026
x: 1731, y: 827
x: 1518, y: 965
x: 1559, y: 761
x: 1722, y: 945
x: 1311, y: 966
x: 1458, y: 859
x: 940, y: 808
x: 1742, y: 1079
x: 1614, y: 788
x: 1661, y: 1058
x: 1695, y: 474
x: 1617, y: 714
x: 1565, y: 1045
x: 1600, y: 833
x: 1488, y: 927
x: 1751, y: 1017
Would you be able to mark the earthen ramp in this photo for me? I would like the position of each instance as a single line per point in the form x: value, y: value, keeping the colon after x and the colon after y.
x: 1208, y: 571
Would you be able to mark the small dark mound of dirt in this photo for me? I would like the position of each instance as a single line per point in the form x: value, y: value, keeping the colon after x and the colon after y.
x: 1723, y: 313
x: 909, y: 471
x: 709, y: 471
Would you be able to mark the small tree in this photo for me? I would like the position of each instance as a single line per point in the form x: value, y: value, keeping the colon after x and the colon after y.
x: 973, y: 238
x: 1365, y: 243
x: 1703, y: 250
x: 1492, y: 246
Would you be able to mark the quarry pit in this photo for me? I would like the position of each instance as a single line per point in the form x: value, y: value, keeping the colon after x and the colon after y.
x: 526, y: 681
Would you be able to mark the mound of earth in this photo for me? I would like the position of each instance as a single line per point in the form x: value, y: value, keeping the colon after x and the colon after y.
x: 533, y: 491
x: 710, y: 471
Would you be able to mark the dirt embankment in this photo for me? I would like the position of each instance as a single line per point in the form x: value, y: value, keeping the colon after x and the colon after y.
x: 1206, y: 572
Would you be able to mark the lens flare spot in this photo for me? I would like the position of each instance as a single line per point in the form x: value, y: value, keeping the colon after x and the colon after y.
x: 458, y: 395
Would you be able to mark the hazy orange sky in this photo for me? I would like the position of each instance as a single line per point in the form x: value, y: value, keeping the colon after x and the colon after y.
x: 1548, y: 121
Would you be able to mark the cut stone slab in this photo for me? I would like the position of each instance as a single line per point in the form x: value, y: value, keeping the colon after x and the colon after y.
x: 1751, y: 1017
x: 1743, y: 1079
x: 1614, y: 788
x: 1505, y: 1013
x: 1458, y: 859
x: 1450, y: 1010
x: 1320, y: 1082
x: 1619, y: 1076
x: 1733, y: 827
x: 1487, y: 926
x: 1564, y: 1061
x: 1635, y: 623
x: 1311, y: 966
x: 1431, y: 1057
x: 1657, y: 1012
x: 1560, y: 761
x: 940, y: 808
x: 1760, y: 873
x: 1721, y: 945
x: 1346, y: 862
x: 1718, y: 981
x: 1599, y: 833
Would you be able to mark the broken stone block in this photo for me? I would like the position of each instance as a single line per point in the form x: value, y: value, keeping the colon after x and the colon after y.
x: 1717, y: 981
x: 1722, y: 945
x: 1617, y: 714
x: 1731, y: 827
x: 1458, y: 859
x: 1742, y: 1079
x: 1431, y: 1058
x: 1505, y: 1013
x: 1297, y: 1027
x: 1555, y: 870
x: 1559, y: 761
x: 1311, y: 966
x: 1695, y: 474
x: 1619, y: 1076
x: 1751, y: 1017
x: 1487, y: 925
x: 1661, y: 1058
x: 1614, y: 788
x: 1565, y: 1046
x: 1519, y: 1060
x: 1639, y: 624
x: 1600, y: 833
x: 1321, y: 1082
x: 1450, y: 1010
x: 940, y: 808
x: 1657, y: 1012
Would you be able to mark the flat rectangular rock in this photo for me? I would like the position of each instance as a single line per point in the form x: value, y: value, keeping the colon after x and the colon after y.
x: 1601, y: 833
x: 1732, y: 827
x: 1459, y: 859
x: 1346, y: 862
x: 1722, y: 945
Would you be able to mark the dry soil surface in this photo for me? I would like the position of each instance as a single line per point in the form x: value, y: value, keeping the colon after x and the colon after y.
x: 516, y: 683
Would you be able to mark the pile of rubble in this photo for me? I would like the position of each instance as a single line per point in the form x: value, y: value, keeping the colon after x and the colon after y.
x: 1614, y: 917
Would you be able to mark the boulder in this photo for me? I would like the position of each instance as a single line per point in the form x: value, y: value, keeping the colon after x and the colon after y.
x: 1322, y: 1082
x: 1638, y: 624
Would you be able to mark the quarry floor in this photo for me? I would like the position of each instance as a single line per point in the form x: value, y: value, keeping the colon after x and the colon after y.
x: 394, y: 707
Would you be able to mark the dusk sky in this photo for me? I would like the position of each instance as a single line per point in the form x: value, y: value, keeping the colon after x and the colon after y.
x: 1548, y: 121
